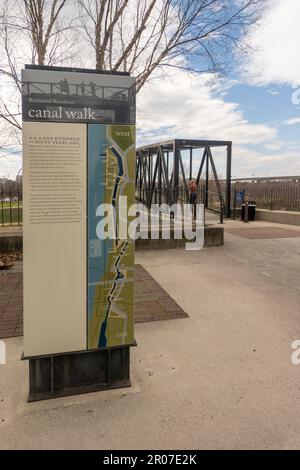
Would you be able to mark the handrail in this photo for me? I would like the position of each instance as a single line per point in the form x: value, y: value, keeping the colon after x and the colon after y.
x: 222, y: 205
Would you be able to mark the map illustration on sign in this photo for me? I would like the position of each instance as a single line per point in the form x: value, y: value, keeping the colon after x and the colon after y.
x: 111, y: 173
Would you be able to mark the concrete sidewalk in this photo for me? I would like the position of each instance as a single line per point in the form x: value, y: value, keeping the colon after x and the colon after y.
x: 222, y: 378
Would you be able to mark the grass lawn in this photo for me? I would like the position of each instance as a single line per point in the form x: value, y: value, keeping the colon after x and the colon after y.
x: 6, y: 205
x: 11, y: 216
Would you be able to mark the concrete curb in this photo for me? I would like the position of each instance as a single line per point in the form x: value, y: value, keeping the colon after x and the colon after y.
x: 280, y: 217
x: 214, y: 236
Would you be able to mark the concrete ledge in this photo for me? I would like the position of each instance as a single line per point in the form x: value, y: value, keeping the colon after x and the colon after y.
x: 280, y: 217
x: 11, y: 242
x: 213, y: 236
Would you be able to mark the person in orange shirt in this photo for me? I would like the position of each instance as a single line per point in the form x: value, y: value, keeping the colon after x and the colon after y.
x: 193, y: 188
x: 193, y: 191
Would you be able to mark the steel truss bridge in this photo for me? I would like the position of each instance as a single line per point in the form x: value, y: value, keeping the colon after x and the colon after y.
x: 163, y: 174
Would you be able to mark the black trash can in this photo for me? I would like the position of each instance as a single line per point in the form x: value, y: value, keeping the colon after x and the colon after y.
x: 251, y: 211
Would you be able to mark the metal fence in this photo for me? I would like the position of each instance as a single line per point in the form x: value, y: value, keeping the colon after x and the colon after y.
x: 11, y: 204
x: 268, y: 193
x: 271, y: 194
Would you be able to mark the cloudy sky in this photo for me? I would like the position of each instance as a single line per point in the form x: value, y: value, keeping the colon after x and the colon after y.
x: 257, y: 105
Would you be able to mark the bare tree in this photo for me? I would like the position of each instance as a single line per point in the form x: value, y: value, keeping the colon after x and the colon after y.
x: 42, y: 20
x: 141, y: 36
x: 32, y: 31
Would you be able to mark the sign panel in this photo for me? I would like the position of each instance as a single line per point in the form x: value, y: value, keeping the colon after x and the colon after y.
x: 79, y: 153
x: 64, y: 96
x: 54, y: 238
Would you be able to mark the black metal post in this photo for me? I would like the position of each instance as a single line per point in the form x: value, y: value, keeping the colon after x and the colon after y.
x: 2, y: 206
x: 148, y: 176
x: 153, y: 187
x: 137, y: 169
x: 140, y: 175
x: 221, y: 212
x: 228, y: 180
x: 18, y: 197
x: 234, y: 202
x: 168, y: 164
x: 159, y: 155
x: 149, y: 199
x: 10, y: 206
x: 206, y: 180
x: 176, y: 171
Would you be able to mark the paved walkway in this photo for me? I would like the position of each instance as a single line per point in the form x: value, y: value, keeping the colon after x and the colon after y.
x: 11, y: 304
x: 152, y: 303
x: 221, y: 379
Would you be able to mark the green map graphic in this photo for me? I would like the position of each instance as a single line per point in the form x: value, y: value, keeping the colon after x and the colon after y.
x: 111, y: 308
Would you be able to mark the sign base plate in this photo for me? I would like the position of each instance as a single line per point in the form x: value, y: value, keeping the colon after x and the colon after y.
x: 63, y: 375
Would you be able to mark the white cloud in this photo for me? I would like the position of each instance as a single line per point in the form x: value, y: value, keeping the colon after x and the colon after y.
x: 273, y: 92
x: 281, y: 163
x: 10, y: 163
x: 187, y: 107
x: 275, y: 56
x: 274, y: 146
x: 292, y: 121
